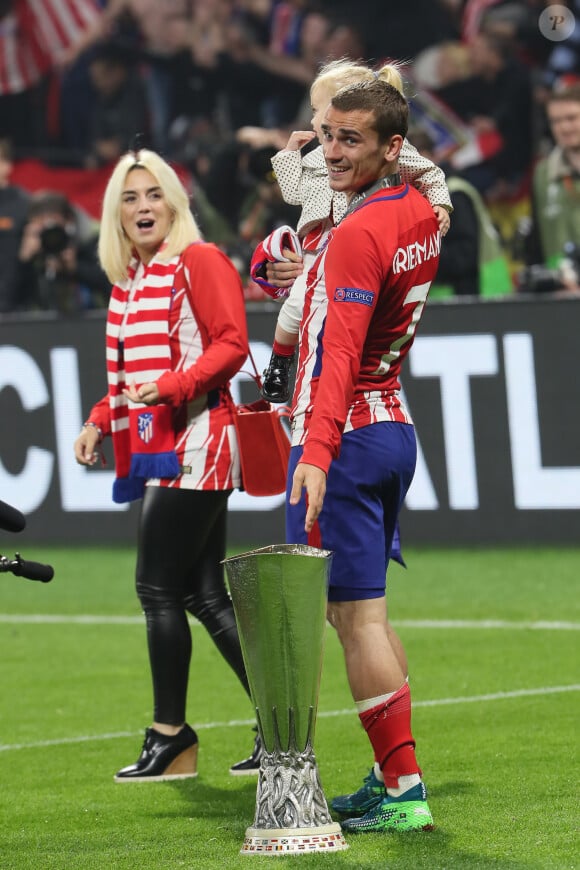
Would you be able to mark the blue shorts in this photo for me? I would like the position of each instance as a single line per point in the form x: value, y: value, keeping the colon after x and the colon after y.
x: 365, y: 489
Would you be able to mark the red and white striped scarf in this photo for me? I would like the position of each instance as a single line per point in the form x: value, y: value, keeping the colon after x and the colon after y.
x: 138, y: 352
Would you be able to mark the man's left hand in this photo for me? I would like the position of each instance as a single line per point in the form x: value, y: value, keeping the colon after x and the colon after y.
x: 313, y: 480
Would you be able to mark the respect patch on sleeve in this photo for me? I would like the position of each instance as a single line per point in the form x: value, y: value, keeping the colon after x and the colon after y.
x: 354, y: 294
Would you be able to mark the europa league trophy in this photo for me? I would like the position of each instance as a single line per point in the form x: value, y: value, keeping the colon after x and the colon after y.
x: 279, y: 598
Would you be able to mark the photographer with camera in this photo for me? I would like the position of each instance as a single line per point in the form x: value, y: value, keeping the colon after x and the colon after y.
x: 13, y: 211
x: 58, y: 263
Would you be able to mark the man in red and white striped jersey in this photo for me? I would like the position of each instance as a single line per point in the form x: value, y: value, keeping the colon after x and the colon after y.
x: 354, y: 448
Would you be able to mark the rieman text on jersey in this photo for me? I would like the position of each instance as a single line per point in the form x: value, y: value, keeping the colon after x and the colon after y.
x: 416, y: 253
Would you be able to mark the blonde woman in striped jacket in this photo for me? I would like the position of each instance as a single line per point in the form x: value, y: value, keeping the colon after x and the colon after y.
x: 176, y: 334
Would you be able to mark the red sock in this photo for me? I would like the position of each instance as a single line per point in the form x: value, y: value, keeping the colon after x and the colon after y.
x: 388, y: 726
x: 283, y: 349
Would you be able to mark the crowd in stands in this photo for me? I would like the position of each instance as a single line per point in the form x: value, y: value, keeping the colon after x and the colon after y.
x: 216, y: 86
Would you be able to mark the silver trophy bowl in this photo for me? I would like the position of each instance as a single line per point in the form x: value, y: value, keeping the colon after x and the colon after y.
x: 279, y: 598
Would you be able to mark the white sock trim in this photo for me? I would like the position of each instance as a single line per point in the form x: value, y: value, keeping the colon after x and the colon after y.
x: 406, y: 782
x: 369, y: 703
x: 378, y: 772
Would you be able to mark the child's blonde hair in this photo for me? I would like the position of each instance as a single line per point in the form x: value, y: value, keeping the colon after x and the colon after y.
x: 339, y: 73
x: 115, y: 249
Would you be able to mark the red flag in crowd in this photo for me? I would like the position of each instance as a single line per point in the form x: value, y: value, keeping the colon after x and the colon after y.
x: 35, y: 35
x: 83, y: 187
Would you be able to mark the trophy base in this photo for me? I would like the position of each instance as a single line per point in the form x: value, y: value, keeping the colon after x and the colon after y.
x: 287, y: 841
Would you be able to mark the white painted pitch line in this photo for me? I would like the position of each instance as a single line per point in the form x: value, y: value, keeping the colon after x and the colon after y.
x: 68, y: 619
x: 323, y: 714
x: 89, y: 619
x: 475, y: 699
x: 541, y: 625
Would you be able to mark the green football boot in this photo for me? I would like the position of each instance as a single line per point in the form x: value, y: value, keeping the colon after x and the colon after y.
x: 368, y: 796
x: 409, y: 812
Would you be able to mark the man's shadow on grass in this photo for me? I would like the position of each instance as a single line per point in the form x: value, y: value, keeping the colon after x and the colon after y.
x: 451, y: 789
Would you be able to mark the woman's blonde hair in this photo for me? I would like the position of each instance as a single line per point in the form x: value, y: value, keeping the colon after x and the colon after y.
x: 339, y: 73
x: 115, y: 248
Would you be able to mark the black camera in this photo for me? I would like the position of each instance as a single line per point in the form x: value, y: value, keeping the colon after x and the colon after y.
x: 54, y: 239
x: 541, y: 279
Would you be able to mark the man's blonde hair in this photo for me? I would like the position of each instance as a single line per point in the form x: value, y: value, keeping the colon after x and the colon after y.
x: 338, y: 74
x: 115, y: 249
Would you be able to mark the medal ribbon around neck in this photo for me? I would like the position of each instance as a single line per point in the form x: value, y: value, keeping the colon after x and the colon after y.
x: 393, y: 180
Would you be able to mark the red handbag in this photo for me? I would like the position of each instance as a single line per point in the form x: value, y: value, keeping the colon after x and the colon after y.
x: 263, y: 444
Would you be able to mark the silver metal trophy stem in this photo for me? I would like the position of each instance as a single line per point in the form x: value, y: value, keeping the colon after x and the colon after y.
x: 279, y: 598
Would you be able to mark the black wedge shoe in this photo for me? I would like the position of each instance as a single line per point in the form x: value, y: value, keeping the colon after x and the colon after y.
x: 249, y: 766
x: 163, y: 757
x: 276, y: 382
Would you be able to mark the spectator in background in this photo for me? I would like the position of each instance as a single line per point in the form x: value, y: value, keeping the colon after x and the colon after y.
x: 152, y: 34
x: 255, y: 85
x: 440, y: 65
x: 120, y: 109
x: 35, y: 40
x: 402, y: 31
x: 495, y: 101
x: 13, y: 211
x: 197, y: 110
x: 286, y: 20
x: 160, y: 32
x: 240, y: 187
x: 243, y: 69
x: 344, y: 40
x: 472, y: 261
x: 556, y: 182
x: 554, y: 237
x: 295, y: 71
x: 476, y: 14
x: 263, y: 209
x: 58, y: 263
x: 215, y: 78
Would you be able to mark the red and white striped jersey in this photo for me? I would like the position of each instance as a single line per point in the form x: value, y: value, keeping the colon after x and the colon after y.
x: 365, y: 295
x: 35, y: 35
x: 208, y: 343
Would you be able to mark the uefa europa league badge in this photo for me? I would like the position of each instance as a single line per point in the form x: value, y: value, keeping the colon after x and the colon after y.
x: 279, y: 598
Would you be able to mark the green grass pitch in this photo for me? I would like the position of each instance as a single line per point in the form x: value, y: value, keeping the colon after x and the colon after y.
x: 492, y: 641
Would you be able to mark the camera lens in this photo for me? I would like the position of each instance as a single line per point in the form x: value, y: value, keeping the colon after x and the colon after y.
x: 54, y: 239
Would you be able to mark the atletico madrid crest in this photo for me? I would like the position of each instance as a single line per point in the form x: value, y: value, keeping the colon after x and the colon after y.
x: 145, y: 427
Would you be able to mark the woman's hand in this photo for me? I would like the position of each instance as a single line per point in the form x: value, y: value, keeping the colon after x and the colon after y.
x: 146, y: 394
x: 85, y: 445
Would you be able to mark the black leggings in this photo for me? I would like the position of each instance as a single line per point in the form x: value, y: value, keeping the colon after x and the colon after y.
x: 181, y: 542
